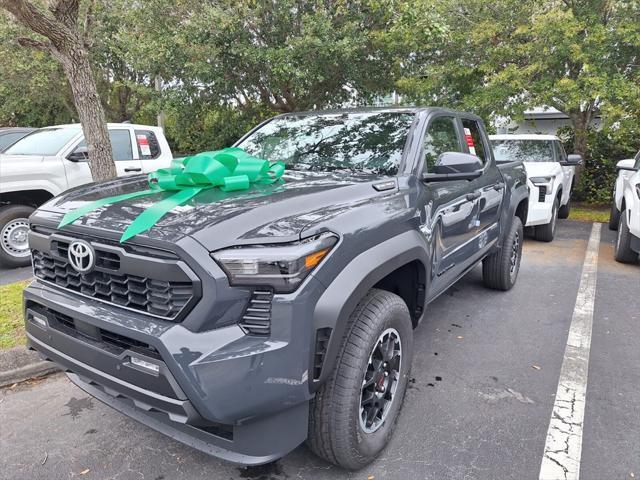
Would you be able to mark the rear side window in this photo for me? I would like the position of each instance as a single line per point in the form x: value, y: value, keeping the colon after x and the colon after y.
x: 442, y: 136
x: 473, y: 138
x: 148, y: 145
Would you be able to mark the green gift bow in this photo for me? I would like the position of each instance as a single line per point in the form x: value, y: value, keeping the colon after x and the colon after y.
x: 230, y: 169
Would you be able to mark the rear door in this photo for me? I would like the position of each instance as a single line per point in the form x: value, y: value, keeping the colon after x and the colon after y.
x: 488, y: 188
x: 448, y: 217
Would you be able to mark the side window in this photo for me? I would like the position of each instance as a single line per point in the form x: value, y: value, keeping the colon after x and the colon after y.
x: 560, y: 152
x: 442, y: 136
x: 120, y: 145
x: 637, y: 165
x: 148, y: 145
x: 473, y: 138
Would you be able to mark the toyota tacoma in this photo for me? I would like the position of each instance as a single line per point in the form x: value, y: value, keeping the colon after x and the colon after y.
x: 244, y: 323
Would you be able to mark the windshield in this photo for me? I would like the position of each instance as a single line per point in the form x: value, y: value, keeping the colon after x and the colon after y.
x: 523, y: 150
x: 47, y: 141
x: 370, y: 142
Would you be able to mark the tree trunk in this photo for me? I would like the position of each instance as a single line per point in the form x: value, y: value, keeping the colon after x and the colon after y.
x: 68, y: 45
x: 161, y: 115
x: 580, y: 122
x: 76, y: 66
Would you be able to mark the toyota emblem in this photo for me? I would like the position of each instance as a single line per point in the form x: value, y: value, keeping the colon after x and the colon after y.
x: 81, y: 256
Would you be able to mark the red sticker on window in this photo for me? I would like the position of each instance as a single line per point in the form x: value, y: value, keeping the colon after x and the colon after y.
x: 469, y: 139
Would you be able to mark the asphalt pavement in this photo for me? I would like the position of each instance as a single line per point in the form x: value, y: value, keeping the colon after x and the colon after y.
x: 484, y: 379
x: 11, y: 275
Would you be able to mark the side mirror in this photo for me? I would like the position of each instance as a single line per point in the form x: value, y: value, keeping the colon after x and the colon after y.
x: 626, y: 165
x: 455, y: 166
x: 573, y: 160
x: 80, y: 154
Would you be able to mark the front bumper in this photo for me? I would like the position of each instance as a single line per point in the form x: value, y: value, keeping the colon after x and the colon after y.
x: 539, y: 213
x: 239, y: 397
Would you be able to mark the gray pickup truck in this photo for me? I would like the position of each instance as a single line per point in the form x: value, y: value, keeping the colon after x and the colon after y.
x: 245, y: 324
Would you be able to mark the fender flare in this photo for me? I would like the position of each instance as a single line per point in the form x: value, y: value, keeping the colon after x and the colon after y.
x: 519, y: 194
x: 340, y: 299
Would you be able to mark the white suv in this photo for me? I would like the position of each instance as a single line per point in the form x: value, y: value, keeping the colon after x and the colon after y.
x: 550, y: 177
x: 625, y: 210
x: 51, y: 160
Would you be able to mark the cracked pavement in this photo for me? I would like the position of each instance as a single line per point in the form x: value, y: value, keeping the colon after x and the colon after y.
x: 486, y: 370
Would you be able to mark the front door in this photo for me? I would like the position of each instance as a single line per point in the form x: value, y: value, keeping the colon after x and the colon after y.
x: 450, y: 211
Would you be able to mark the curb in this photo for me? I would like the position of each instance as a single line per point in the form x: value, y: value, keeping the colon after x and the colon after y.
x: 27, y: 372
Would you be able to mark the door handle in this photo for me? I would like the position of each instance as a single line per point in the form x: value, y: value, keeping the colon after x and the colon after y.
x: 498, y: 186
x: 473, y: 196
x: 133, y: 169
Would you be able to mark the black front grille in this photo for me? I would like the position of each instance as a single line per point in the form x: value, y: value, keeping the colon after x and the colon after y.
x: 542, y: 193
x: 257, y: 318
x: 147, y: 295
x: 109, y: 341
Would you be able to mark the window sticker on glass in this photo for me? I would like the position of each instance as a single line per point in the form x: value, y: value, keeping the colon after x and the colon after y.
x: 143, y: 143
x: 469, y: 139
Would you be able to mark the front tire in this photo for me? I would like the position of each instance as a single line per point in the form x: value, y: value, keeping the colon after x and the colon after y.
x: 623, y: 252
x: 354, y: 413
x: 14, y: 230
x: 564, y: 210
x: 500, y: 269
x: 614, y: 216
x: 545, y: 233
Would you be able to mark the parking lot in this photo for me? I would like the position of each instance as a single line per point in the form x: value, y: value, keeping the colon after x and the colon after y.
x: 484, y: 380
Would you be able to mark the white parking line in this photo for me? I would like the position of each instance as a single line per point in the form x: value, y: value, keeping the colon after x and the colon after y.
x: 563, y: 447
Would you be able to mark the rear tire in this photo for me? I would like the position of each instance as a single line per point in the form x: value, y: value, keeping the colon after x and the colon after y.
x: 14, y: 229
x: 564, y: 210
x: 500, y: 269
x: 545, y: 233
x: 614, y: 216
x: 623, y: 252
x: 358, y: 385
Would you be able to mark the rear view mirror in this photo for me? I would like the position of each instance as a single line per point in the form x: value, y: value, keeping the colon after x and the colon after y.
x: 80, y: 154
x: 626, y: 165
x: 455, y: 166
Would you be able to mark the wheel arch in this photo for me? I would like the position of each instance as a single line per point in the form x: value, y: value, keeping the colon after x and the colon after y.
x: 32, y: 198
x: 398, y: 265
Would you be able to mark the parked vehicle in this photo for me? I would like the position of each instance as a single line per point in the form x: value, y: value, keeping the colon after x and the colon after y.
x: 10, y: 135
x: 51, y: 160
x: 550, y: 177
x: 246, y: 322
x: 625, y: 210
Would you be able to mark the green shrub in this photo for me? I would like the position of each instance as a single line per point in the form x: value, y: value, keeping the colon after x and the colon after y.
x: 604, y: 149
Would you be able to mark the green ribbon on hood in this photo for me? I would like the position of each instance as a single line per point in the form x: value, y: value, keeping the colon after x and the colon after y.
x: 229, y: 169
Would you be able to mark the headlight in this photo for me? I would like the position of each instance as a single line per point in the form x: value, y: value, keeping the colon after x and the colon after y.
x: 283, y: 267
x: 543, y: 182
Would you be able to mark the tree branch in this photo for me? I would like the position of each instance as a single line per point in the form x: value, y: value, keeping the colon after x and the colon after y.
x: 33, y: 18
x: 35, y: 44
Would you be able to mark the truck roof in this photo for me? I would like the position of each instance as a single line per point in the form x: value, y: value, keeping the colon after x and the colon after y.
x: 523, y: 136
x: 399, y: 109
x: 79, y: 126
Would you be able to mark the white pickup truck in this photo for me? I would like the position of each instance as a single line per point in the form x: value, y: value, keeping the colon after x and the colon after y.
x: 51, y: 160
x: 625, y: 210
x: 550, y: 177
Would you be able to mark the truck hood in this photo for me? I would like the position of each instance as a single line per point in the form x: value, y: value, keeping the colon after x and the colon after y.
x: 218, y: 219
